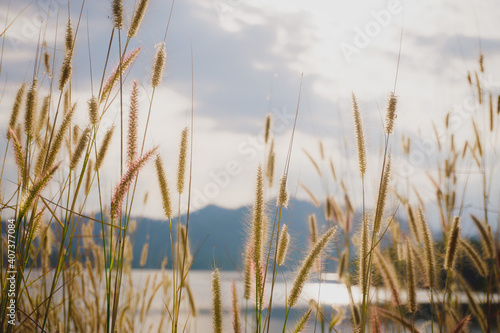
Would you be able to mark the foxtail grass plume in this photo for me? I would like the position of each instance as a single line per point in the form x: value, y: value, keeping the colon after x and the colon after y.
x: 101, y: 154
x: 476, y: 259
x: 382, y: 195
x: 139, y: 12
x: 283, y: 193
x: 391, y: 113
x: 267, y: 131
x: 301, y: 323
x: 307, y: 265
x: 313, y: 228
x: 144, y: 254
x: 376, y: 327
x: 44, y: 112
x: 430, y: 260
x: 35, y: 190
x: 216, y: 302
x: 270, y: 165
x: 451, y: 247
x: 181, y: 166
x: 93, y: 110
x: 117, y: 7
x: 258, y: 218
x: 248, y: 272
x: 16, y: 107
x: 411, y: 281
x: 363, y: 255
x: 192, y: 303
x: 80, y: 148
x: 159, y: 64
x: 342, y: 265
x: 485, y: 236
x: 236, y: 309
x: 18, y: 153
x: 311, y: 195
x: 127, y: 61
x: 69, y: 36
x: 283, y: 244
x: 66, y: 70
x: 122, y: 188
x: 360, y: 135
x: 162, y: 182
x: 58, y: 139
x: 389, y: 277
x: 31, y: 105
x: 46, y: 61
x: 133, y: 124
x: 413, y: 224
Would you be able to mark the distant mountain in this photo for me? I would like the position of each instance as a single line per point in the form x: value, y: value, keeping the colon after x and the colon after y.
x: 217, y: 235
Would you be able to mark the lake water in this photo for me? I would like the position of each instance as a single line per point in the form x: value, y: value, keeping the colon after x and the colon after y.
x: 330, y: 293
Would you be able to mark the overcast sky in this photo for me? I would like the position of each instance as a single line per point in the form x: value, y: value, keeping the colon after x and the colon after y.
x: 248, y: 59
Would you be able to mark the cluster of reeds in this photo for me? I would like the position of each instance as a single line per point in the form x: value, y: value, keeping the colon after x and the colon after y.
x: 73, y: 269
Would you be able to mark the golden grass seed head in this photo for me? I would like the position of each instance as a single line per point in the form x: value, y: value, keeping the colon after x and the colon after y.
x: 58, y: 138
x: 283, y: 193
x: 487, y: 241
x: 35, y: 190
x: 66, y: 70
x: 104, y: 148
x: 329, y: 210
x: 216, y: 302
x: 430, y: 261
x: 476, y: 259
x: 258, y: 217
x: 162, y: 182
x: 117, y: 7
x: 80, y: 148
x: 181, y: 166
x: 267, y: 131
x: 44, y: 112
x: 391, y: 113
x: 382, y: 196
x: 313, y: 228
x: 360, y: 136
x: 88, y: 177
x: 46, y: 61
x: 388, y: 276
x: 411, y: 280
x: 248, y: 272
x: 144, y: 254
x: 18, y: 154
x: 16, y: 107
x: 452, y: 245
x: 31, y: 106
x: 283, y: 244
x: 364, y: 270
x: 301, y: 323
x: 93, y: 110
x: 270, y: 165
x: 69, y: 36
x: 159, y: 65
x: 307, y: 265
x: 236, y: 309
x: 311, y: 195
x: 342, y: 265
x: 139, y: 12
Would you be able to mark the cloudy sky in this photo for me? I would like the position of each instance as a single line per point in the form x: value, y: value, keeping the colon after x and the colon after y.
x: 248, y: 60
